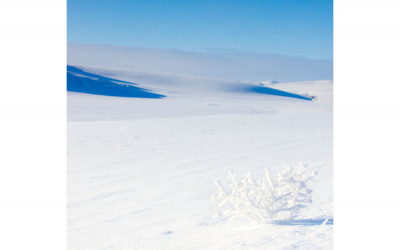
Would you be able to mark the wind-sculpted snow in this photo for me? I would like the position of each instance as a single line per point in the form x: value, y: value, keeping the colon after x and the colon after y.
x: 85, y: 82
x: 266, y: 200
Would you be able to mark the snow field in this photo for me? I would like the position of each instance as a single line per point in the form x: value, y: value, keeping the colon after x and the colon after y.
x: 141, y: 171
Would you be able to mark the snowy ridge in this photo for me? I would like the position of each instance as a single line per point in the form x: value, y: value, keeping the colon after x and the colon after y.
x: 166, y: 83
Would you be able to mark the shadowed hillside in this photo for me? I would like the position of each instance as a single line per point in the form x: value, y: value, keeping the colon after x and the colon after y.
x: 84, y: 82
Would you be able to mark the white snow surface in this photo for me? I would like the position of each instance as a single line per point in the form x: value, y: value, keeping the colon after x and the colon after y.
x: 141, y: 171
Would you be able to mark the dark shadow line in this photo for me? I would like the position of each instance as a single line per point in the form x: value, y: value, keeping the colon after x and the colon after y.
x: 271, y: 91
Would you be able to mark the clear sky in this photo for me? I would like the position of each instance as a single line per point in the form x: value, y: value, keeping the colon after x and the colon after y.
x: 288, y: 27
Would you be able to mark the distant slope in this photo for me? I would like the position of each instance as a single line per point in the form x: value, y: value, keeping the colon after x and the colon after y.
x: 84, y: 82
x: 238, y: 65
x: 98, y: 81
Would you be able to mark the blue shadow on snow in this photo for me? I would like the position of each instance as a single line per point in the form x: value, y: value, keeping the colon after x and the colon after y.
x: 304, y: 222
x: 85, y: 82
x: 271, y: 91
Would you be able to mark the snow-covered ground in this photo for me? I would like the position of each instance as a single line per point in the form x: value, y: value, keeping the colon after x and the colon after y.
x: 141, y: 170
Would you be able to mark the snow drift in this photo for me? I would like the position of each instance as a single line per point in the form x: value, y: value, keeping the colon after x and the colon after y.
x: 83, y: 80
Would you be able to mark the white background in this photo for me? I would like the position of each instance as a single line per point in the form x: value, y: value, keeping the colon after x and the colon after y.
x: 366, y: 124
x: 33, y: 124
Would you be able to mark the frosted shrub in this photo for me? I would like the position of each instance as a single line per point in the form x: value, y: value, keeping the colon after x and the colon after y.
x: 265, y: 200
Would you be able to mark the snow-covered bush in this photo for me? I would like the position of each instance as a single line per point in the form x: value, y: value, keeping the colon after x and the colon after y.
x: 265, y: 200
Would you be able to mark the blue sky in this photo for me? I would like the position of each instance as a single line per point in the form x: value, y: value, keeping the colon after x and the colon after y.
x: 287, y: 27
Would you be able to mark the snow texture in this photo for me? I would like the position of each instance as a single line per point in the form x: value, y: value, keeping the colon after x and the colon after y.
x: 268, y: 199
x: 141, y: 171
